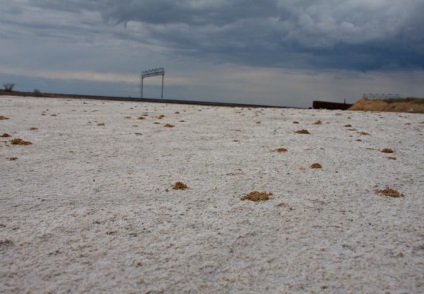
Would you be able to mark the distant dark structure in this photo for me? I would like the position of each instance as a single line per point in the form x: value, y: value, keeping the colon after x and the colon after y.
x: 330, y: 105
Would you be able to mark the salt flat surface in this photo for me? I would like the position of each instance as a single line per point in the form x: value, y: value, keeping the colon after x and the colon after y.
x: 88, y: 207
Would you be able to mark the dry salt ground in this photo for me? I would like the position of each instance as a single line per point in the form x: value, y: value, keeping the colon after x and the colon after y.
x: 89, y: 206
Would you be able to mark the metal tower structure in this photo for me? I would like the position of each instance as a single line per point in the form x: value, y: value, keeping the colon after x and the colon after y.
x: 160, y: 71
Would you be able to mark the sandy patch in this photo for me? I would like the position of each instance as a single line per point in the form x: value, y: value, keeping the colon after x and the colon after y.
x: 90, y: 208
x: 376, y: 105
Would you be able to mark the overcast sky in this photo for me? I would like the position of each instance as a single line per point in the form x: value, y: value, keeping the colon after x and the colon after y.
x: 277, y: 52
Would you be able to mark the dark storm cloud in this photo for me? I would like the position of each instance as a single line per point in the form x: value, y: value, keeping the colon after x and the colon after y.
x: 352, y: 34
x: 72, y: 5
x: 218, y: 13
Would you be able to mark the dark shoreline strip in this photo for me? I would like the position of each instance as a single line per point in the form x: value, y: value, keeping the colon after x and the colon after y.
x: 150, y: 100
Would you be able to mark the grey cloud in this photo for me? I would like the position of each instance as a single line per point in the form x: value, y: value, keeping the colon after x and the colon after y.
x: 351, y: 34
x: 72, y: 5
x: 206, y: 12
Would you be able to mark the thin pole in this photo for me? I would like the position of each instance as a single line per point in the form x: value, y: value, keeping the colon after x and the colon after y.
x: 142, y: 87
x: 161, y: 96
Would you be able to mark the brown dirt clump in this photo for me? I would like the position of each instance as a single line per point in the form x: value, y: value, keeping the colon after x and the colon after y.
x: 281, y: 150
x: 306, y: 132
x: 392, y: 158
x: 387, y: 150
x: 388, y: 192
x: 5, y: 135
x: 347, y: 126
x: 161, y: 116
x: 6, y: 242
x: 3, y: 117
x: 364, y: 134
x: 168, y: 126
x: 380, y: 105
x: 316, y: 165
x: 318, y: 122
x: 296, y: 122
x: 179, y: 186
x: 141, y: 117
x: 12, y: 158
x: 33, y: 129
x: 19, y: 141
x: 256, y: 196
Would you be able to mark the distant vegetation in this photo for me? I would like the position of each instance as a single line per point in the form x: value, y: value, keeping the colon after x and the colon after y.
x: 8, y: 87
x: 37, y: 92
